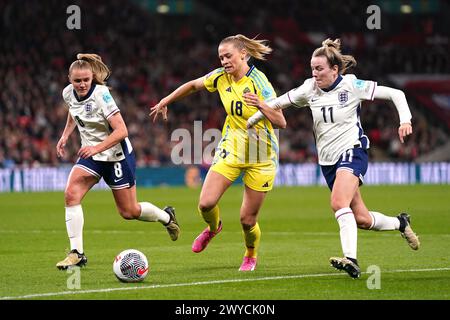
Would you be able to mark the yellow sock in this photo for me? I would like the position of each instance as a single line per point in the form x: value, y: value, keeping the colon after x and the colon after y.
x: 211, y: 217
x: 252, y: 237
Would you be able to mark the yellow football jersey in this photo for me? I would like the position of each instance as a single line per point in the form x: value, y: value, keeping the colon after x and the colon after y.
x: 240, y: 145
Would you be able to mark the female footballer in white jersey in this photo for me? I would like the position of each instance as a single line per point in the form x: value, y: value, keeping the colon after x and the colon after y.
x: 335, y: 103
x: 105, y: 153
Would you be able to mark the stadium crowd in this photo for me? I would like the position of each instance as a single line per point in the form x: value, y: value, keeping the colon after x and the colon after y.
x: 151, y: 54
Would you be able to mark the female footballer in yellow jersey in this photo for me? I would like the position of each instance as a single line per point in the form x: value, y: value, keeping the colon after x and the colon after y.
x: 253, y: 153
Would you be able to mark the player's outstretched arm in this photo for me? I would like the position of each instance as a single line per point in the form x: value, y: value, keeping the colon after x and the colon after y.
x: 399, y: 100
x: 180, y: 92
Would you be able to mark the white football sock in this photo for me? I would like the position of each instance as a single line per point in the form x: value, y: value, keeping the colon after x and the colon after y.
x: 380, y: 222
x: 74, y: 225
x: 348, y: 231
x: 151, y: 213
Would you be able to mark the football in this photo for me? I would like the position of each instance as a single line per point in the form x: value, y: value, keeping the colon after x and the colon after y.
x: 130, y: 265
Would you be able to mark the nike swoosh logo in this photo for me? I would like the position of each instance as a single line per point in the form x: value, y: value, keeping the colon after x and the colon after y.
x: 142, y: 271
x: 116, y: 180
x: 314, y: 99
x: 68, y: 219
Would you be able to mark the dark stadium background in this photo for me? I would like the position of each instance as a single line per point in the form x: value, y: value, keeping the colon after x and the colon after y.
x: 151, y: 53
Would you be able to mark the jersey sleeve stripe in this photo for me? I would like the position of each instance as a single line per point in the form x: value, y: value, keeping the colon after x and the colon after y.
x: 210, y: 80
x: 260, y: 80
x: 256, y: 81
x: 262, y: 83
x: 263, y: 78
x: 265, y: 82
x: 112, y: 113
x: 290, y: 100
x: 214, y: 72
x: 255, y: 85
x: 373, y: 91
x: 217, y: 80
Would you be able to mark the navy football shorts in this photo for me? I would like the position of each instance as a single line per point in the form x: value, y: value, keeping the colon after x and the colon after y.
x: 118, y: 175
x: 353, y: 160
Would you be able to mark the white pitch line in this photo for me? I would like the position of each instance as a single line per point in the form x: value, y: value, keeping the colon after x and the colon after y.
x: 273, y: 233
x: 200, y: 283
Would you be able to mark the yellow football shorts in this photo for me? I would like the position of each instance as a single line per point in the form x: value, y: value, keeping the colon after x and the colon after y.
x: 257, y: 176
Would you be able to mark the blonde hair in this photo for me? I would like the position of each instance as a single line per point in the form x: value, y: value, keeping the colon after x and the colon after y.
x: 257, y: 49
x: 332, y: 51
x: 94, y: 62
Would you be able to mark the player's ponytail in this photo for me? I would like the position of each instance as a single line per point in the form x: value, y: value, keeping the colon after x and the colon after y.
x: 332, y: 51
x: 94, y: 62
x: 257, y: 49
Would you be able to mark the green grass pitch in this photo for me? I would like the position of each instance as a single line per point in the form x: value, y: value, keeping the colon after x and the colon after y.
x: 299, y: 234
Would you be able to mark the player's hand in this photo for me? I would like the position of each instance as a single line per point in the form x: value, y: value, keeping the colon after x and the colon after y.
x: 404, y: 130
x: 60, y: 151
x: 87, y: 152
x: 251, y: 99
x: 161, y: 107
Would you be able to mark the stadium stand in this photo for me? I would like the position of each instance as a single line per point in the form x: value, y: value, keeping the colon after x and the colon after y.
x: 151, y: 54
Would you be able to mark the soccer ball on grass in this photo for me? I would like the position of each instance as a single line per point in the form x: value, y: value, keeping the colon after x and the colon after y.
x: 130, y: 265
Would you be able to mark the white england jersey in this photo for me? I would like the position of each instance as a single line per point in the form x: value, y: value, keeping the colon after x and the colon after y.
x: 91, y: 116
x: 336, y: 114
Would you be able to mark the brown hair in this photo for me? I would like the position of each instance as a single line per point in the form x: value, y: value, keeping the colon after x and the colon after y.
x: 332, y: 51
x: 255, y: 48
x: 94, y: 62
